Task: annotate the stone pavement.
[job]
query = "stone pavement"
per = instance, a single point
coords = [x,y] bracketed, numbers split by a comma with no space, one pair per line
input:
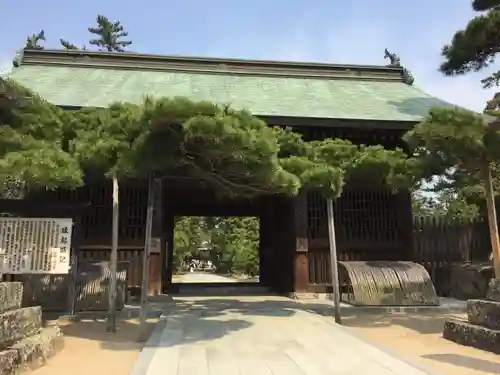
[258,336]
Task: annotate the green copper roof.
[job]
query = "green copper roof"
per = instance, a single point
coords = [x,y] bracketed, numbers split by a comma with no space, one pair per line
[80,79]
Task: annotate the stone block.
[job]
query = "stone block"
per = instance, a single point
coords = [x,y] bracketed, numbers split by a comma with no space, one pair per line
[17,324]
[11,295]
[32,352]
[494,290]
[468,334]
[469,280]
[484,313]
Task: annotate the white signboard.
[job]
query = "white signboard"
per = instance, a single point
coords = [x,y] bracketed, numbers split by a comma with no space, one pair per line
[35,246]
[155,247]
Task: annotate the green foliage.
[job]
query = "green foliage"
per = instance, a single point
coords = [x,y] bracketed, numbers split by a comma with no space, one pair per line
[68,45]
[108,35]
[493,106]
[475,47]
[446,204]
[33,41]
[228,150]
[329,164]
[189,235]
[31,141]
[483,5]
[234,242]
[101,138]
[455,145]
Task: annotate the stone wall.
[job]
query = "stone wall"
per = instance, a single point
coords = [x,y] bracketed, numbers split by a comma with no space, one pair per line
[482,328]
[470,280]
[24,343]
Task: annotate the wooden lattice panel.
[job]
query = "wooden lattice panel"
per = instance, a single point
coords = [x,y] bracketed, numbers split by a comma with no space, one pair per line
[35,246]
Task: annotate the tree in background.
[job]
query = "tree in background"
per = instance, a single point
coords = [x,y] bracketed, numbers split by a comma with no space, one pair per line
[108,35]
[472,148]
[236,245]
[33,41]
[69,45]
[190,233]
[445,204]
[461,148]
[475,47]
[233,243]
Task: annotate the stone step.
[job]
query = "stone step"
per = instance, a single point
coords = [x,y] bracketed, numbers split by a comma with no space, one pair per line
[494,290]
[11,295]
[17,324]
[31,352]
[468,334]
[484,313]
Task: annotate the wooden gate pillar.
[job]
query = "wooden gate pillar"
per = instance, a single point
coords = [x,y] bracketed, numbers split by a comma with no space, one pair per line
[405,214]
[155,266]
[301,244]
[265,241]
[167,246]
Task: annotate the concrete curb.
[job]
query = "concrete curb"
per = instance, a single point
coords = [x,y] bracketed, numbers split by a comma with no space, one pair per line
[129,312]
[446,306]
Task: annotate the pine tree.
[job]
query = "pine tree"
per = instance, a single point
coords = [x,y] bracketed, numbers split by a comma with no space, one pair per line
[33,41]
[31,141]
[67,45]
[462,147]
[471,142]
[475,47]
[109,35]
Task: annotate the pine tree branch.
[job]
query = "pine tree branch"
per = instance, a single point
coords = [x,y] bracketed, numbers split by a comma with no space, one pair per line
[68,45]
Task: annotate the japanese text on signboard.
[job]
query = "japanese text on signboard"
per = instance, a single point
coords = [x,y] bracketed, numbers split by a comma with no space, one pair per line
[35,246]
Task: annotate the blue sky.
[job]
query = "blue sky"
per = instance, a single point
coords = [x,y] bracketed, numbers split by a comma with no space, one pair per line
[353,32]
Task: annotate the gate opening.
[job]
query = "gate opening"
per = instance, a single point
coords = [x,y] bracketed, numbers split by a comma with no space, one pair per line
[216,250]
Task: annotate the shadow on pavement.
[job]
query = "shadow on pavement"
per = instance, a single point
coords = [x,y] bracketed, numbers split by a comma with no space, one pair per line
[466,361]
[194,319]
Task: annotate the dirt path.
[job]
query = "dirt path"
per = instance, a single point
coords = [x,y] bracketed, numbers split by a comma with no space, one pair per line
[419,339]
[90,350]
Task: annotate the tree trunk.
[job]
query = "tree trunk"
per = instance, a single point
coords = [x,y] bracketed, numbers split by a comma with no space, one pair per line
[492,220]
[113,261]
[333,261]
[143,334]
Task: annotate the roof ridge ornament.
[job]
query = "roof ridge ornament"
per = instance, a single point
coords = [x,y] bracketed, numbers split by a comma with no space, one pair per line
[18,58]
[395,62]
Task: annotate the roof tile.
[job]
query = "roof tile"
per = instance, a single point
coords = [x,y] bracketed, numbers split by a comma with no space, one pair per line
[341,98]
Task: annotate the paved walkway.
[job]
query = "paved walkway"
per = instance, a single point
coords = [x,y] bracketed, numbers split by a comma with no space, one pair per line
[258,336]
[204,277]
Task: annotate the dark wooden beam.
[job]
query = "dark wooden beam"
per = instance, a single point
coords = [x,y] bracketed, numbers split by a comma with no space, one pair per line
[356,124]
[32,207]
